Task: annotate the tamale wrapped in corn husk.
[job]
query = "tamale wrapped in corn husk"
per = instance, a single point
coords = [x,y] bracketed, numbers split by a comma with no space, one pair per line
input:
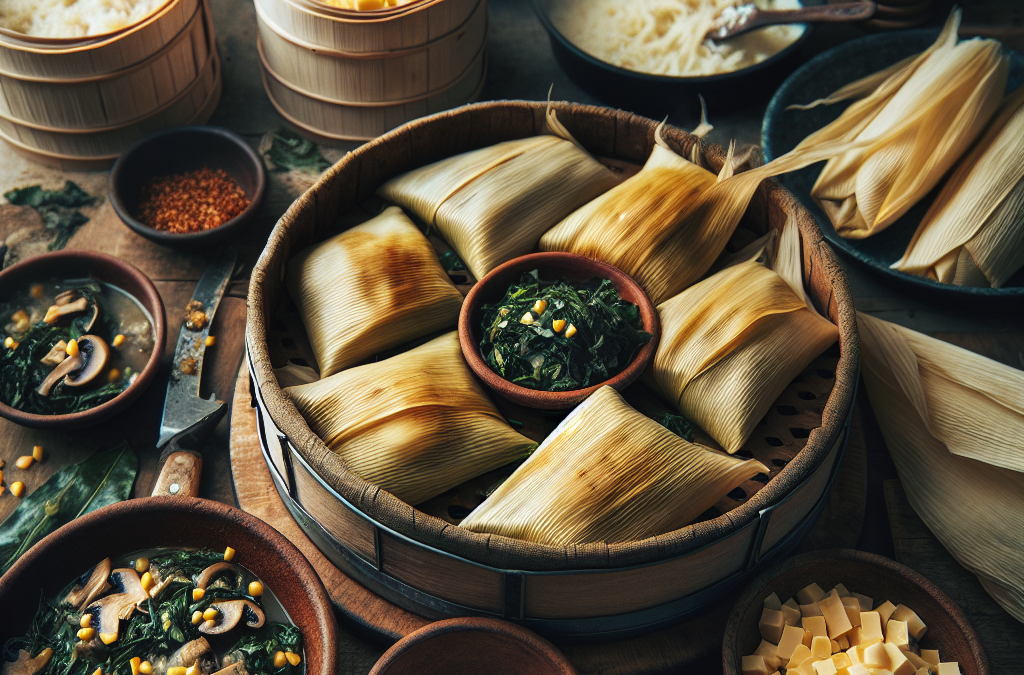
[608,473]
[730,345]
[954,424]
[370,288]
[493,204]
[914,121]
[973,234]
[416,424]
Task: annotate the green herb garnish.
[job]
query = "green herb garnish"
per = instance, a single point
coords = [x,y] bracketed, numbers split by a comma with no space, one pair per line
[600,335]
[285,150]
[59,209]
[451,262]
[678,425]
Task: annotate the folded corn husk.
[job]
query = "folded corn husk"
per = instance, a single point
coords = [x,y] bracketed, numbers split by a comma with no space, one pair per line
[730,345]
[973,234]
[416,424]
[609,474]
[493,204]
[918,119]
[372,287]
[954,424]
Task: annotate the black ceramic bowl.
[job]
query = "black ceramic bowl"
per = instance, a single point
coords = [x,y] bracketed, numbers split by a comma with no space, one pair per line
[187,149]
[634,90]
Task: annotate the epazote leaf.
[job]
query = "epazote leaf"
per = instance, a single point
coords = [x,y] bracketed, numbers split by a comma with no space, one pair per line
[285,150]
[58,208]
[101,480]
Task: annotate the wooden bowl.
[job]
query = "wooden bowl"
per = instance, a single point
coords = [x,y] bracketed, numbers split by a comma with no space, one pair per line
[179,150]
[473,646]
[551,267]
[872,575]
[153,522]
[79,264]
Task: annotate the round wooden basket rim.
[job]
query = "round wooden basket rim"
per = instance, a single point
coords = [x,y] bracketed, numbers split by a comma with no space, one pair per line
[521,554]
[322,10]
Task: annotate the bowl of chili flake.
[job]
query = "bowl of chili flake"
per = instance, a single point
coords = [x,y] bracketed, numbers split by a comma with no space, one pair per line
[188,185]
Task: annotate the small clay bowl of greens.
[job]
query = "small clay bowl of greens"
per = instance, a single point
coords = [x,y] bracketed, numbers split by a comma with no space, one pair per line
[81,335]
[546,330]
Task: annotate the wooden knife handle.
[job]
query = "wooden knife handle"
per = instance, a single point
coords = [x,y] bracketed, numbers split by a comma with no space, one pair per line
[180,475]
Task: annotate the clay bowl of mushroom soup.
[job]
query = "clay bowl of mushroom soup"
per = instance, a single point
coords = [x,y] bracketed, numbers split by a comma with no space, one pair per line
[81,335]
[156,562]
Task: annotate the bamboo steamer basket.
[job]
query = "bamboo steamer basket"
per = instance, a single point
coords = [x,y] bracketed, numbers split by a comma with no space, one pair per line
[353,77]
[586,592]
[349,31]
[51,58]
[347,121]
[6,33]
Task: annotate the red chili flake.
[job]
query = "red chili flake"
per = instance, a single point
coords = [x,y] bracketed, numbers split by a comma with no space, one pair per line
[191,202]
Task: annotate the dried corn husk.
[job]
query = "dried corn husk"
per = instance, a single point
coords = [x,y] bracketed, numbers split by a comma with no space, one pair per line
[609,474]
[954,424]
[730,345]
[973,234]
[918,119]
[416,424]
[372,287]
[493,204]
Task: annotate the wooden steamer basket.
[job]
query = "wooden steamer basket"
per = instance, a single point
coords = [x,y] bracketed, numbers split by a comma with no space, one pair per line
[438,570]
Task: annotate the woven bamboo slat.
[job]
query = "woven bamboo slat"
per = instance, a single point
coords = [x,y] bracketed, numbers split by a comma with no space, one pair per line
[93,57]
[363,121]
[386,76]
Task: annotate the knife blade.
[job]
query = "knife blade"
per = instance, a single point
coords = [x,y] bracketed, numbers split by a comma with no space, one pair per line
[189,419]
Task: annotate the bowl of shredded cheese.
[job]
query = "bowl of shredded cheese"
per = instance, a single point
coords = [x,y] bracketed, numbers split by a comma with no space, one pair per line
[643,52]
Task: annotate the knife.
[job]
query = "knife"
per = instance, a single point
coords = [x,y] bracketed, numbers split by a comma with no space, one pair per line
[188,419]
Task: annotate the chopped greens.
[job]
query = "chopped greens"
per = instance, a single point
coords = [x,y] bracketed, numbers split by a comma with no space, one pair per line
[59,209]
[556,336]
[451,262]
[678,425]
[285,150]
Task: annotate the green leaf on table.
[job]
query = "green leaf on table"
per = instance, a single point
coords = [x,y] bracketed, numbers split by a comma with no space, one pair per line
[678,425]
[103,479]
[285,150]
[58,208]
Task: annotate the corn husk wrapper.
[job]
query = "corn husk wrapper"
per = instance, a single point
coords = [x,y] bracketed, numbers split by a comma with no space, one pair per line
[730,345]
[370,288]
[973,234]
[920,116]
[608,474]
[493,204]
[954,425]
[416,424]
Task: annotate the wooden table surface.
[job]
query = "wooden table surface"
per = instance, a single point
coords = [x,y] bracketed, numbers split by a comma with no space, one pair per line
[520,66]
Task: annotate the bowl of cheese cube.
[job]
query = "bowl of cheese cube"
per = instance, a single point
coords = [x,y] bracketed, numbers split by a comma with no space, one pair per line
[845,612]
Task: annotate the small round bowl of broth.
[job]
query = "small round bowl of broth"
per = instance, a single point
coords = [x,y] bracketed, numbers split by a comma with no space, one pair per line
[891,589]
[182,544]
[550,344]
[210,172]
[600,46]
[110,310]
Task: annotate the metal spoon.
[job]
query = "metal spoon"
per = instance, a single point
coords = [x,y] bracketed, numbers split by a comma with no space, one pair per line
[745,18]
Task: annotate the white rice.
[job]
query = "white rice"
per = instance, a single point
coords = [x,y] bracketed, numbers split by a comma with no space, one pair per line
[73,18]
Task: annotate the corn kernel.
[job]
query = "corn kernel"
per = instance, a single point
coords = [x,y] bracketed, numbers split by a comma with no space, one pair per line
[197,594]
[540,306]
[135,663]
[98,671]
[557,325]
[211,614]
[197,618]
[141,565]
[177,670]
[1,475]
[37,453]
[570,331]
[118,340]
[9,342]
[293,658]
[2,489]
[279,659]
[527,318]
[24,462]
[146,668]
[210,340]
[167,624]
[85,621]
[86,634]
[209,624]
[147,581]
[36,291]
[255,589]
[72,348]
[17,488]
[229,554]
[113,375]
[193,669]
[107,638]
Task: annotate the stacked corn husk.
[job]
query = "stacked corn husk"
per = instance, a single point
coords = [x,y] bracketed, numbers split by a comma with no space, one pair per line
[973,234]
[415,424]
[954,424]
[609,474]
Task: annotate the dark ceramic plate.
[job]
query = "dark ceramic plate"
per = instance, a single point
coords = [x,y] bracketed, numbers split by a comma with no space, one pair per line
[783,129]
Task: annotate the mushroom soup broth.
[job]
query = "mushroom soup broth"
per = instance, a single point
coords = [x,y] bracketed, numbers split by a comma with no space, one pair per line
[184,612]
[70,345]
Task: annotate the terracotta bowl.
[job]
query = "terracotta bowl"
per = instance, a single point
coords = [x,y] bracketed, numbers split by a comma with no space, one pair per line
[80,264]
[473,646]
[872,575]
[552,266]
[177,151]
[153,522]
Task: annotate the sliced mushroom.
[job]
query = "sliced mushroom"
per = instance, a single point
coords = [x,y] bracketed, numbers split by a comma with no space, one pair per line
[191,653]
[55,312]
[116,606]
[84,593]
[56,355]
[26,665]
[65,297]
[231,612]
[59,373]
[207,575]
[96,353]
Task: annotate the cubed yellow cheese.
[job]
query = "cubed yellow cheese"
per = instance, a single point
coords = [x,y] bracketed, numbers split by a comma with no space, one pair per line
[841,590]
[810,610]
[835,616]
[870,628]
[772,602]
[896,633]
[816,624]
[916,660]
[792,636]
[809,595]
[807,667]
[923,671]
[808,636]
[930,656]
[825,667]
[820,647]
[754,665]
[844,641]
[800,654]
[791,615]
[769,652]
[857,669]
[898,663]
[852,607]
[835,646]
[885,610]
[948,668]
[916,627]
[880,671]
[771,625]
[875,656]
[865,601]
[856,654]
